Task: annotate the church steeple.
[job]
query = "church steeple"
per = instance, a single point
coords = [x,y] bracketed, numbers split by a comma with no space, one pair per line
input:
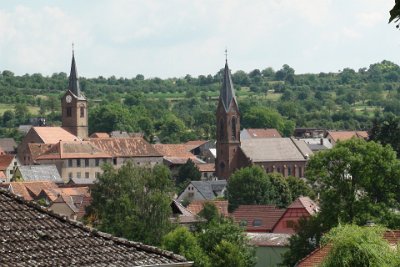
[228,128]
[227,93]
[73,84]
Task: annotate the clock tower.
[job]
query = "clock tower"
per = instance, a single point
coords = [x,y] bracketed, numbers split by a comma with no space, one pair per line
[74,106]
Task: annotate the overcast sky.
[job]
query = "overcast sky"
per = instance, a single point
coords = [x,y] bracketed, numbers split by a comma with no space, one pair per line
[172,38]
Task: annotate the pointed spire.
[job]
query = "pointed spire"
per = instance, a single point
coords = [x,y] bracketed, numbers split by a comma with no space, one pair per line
[227,94]
[73,85]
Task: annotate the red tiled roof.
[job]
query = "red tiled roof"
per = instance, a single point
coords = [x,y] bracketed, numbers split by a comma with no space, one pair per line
[99,135]
[304,202]
[125,147]
[52,135]
[37,149]
[268,215]
[30,190]
[5,161]
[264,133]
[194,144]
[196,206]
[176,153]
[174,150]
[206,167]
[346,135]
[70,150]
[316,257]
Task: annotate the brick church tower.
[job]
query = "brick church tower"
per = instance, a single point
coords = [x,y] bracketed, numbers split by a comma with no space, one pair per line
[74,106]
[228,129]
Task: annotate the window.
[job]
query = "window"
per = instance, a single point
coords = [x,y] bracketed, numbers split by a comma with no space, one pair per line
[278,169]
[82,109]
[289,169]
[70,175]
[222,165]
[11,171]
[78,175]
[257,222]
[87,175]
[300,171]
[86,162]
[97,175]
[69,111]
[115,161]
[78,162]
[15,163]
[233,126]
[70,163]
[97,162]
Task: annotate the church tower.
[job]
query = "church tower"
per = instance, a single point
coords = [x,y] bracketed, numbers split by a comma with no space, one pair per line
[228,128]
[74,106]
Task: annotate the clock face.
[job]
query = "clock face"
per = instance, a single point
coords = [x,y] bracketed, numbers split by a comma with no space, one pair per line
[68,99]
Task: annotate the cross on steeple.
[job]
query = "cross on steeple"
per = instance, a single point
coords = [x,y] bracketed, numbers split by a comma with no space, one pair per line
[226,54]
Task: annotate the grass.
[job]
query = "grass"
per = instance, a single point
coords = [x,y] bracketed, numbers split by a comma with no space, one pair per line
[5,107]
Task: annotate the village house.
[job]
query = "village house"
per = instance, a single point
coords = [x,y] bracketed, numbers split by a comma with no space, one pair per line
[271,219]
[8,145]
[8,165]
[203,190]
[336,136]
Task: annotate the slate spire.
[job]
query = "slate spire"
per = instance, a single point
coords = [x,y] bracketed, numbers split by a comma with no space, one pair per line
[73,84]
[227,93]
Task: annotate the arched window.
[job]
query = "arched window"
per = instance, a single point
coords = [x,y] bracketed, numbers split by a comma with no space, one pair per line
[222,165]
[233,126]
[82,111]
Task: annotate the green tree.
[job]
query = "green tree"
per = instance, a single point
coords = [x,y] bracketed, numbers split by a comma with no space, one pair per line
[252,185]
[133,202]
[228,254]
[226,230]
[209,212]
[184,243]
[358,247]
[299,187]
[187,172]
[357,181]
[386,130]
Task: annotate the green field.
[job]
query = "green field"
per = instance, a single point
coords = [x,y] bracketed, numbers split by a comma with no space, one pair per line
[4,107]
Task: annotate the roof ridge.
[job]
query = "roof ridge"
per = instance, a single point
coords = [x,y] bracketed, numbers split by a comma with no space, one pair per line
[90,230]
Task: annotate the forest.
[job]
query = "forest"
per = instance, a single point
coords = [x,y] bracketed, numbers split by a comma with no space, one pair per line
[175,110]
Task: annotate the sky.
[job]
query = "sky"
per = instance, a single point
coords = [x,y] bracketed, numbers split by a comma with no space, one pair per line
[160,38]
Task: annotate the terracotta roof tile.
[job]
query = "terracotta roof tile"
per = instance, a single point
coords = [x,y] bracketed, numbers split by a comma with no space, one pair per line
[259,218]
[174,150]
[206,167]
[49,239]
[52,135]
[5,161]
[346,135]
[125,147]
[37,149]
[30,190]
[176,153]
[304,202]
[196,206]
[99,135]
[76,149]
